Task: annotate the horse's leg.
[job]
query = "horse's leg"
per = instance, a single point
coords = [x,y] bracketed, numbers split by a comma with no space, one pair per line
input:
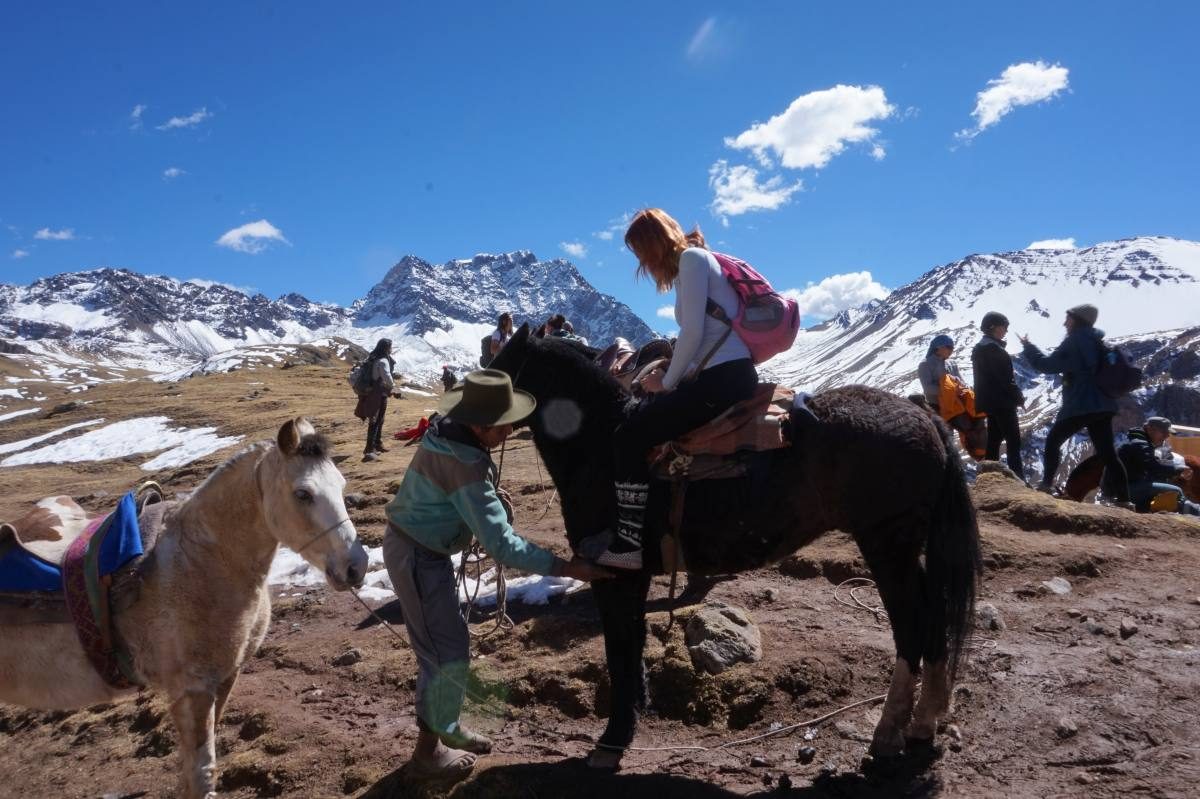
[893,560]
[194,715]
[223,696]
[622,605]
[933,704]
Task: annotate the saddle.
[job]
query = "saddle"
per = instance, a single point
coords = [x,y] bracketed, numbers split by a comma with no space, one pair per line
[625,363]
[60,567]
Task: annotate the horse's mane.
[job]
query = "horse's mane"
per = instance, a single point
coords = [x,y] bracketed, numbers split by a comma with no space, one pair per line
[234,460]
[575,363]
[313,445]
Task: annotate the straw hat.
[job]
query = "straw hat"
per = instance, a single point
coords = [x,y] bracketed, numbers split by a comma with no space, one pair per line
[486,397]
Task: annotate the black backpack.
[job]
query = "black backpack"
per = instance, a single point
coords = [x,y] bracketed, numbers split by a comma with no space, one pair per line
[1116,375]
[485,351]
[362,377]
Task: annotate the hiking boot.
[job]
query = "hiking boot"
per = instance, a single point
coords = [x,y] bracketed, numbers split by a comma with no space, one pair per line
[1124,504]
[625,549]
[380,448]
[370,456]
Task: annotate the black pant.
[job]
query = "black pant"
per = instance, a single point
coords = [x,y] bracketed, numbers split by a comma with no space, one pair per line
[375,427]
[663,417]
[622,604]
[1003,426]
[1099,428]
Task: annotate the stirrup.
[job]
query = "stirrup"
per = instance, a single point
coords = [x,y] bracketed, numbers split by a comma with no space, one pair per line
[631,561]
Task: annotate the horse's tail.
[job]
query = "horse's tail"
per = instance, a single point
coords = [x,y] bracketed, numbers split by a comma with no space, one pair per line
[953,564]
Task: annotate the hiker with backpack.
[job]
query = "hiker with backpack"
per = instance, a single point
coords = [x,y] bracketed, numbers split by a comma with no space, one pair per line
[1151,465]
[374,384]
[997,393]
[1078,358]
[491,343]
[712,366]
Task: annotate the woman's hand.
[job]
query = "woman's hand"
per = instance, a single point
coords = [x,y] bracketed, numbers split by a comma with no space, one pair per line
[1022,339]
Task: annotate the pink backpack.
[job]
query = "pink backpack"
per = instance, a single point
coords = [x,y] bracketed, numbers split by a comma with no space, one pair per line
[766,321]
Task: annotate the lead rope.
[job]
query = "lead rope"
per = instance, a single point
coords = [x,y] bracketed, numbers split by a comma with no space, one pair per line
[474,556]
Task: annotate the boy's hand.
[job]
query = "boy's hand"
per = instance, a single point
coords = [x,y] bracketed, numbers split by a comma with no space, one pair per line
[580,569]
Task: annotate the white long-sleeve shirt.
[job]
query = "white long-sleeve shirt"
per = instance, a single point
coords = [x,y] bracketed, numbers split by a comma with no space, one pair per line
[699,280]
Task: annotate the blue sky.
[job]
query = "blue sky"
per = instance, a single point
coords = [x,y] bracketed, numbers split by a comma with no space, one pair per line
[346,136]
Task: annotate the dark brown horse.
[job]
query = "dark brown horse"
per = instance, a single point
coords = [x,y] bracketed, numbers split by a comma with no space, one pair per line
[918,505]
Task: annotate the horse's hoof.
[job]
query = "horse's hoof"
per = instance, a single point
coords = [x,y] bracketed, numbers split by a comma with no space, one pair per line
[881,766]
[924,750]
[604,759]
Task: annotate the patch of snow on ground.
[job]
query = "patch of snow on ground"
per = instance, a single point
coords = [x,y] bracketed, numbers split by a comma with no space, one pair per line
[15,414]
[130,437]
[17,446]
[290,569]
[10,392]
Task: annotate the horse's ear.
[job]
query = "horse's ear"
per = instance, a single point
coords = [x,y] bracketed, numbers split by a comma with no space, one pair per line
[521,336]
[305,427]
[289,436]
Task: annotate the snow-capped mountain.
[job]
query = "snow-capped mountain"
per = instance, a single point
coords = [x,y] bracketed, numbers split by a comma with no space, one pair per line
[108,321]
[478,289]
[1147,290]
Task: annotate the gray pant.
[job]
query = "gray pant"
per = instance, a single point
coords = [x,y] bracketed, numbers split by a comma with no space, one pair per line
[424,583]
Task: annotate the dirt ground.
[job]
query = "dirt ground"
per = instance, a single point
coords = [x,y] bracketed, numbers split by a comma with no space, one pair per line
[1091,693]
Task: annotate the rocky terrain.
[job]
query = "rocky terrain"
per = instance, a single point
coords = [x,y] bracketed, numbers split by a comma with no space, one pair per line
[1083,678]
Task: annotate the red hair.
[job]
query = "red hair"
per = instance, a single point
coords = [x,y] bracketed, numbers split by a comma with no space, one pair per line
[657,240]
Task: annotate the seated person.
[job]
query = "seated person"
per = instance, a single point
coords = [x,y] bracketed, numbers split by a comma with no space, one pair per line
[1147,472]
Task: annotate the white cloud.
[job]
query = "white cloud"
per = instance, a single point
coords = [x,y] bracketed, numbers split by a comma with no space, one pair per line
[836,293]
[817,126]
[190,121]
[170,173]
[46,234]
[1019,84]
[615,226]
[135,117]
[574,249]
[736,190]
[666,312]
[1053,244]
[702,40]
[18,254]
[252,237]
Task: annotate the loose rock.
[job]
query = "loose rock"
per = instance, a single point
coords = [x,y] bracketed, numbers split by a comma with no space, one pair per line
[1094,627]
[1057,585]
[806,754]
[1066,728]
[1128,627]
[356,500]
[990,617]
[719,636]
[758,761]
[1074,613]
[349,657]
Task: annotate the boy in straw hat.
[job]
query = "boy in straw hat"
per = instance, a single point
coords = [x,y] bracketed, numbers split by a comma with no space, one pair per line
[448,495]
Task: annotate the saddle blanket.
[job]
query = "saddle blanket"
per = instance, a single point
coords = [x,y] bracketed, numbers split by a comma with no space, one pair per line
[23,570]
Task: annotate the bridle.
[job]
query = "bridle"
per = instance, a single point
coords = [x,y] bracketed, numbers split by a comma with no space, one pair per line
[315,538]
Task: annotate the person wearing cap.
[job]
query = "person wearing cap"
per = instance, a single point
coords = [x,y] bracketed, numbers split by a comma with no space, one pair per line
[449,495]
[937,363]
[997,393]
[1077,358]
[1148,473]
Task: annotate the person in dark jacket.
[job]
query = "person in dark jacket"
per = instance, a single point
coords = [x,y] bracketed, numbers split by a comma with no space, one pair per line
[1084,404]
[996,392]
[1147,473]
[448,378]
[372,406]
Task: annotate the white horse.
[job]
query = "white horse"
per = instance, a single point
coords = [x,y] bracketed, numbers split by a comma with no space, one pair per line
[204,605]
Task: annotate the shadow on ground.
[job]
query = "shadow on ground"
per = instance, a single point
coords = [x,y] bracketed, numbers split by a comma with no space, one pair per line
[572,778]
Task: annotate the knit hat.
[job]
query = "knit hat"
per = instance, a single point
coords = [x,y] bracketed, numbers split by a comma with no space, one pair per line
[1085,313]
[993,319]
[941,340]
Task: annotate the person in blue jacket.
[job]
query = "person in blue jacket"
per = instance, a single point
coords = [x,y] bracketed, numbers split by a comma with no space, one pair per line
[1084,405]
[449,495]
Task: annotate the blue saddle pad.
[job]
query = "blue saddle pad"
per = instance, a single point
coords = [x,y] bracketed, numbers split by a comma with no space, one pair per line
[22,571]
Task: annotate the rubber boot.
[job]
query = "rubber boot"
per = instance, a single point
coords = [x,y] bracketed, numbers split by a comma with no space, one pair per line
[625,550]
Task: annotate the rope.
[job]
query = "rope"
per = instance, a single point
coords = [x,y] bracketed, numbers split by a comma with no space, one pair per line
[859,583]
[475,555]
